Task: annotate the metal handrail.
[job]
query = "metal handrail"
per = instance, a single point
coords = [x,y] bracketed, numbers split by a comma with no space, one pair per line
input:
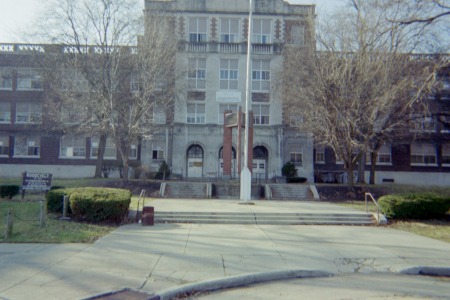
[141,196]
[366,195]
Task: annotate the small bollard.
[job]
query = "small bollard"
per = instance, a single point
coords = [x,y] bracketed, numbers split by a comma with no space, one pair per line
[9,224]
[43,215]
[148,215]
[65,208]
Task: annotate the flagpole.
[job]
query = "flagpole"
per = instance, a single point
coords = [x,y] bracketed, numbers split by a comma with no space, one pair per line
[246,176]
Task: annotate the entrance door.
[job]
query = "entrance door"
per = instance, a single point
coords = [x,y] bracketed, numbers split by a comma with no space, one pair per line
[260,157]
[195,161]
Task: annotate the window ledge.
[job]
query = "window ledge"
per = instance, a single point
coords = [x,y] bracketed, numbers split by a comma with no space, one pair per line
[27,156]
[71,157]
[424,165]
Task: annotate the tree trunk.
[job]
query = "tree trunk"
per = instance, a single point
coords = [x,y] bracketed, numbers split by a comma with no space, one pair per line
[362,169]
[373,158]
[100,156]
[350,176]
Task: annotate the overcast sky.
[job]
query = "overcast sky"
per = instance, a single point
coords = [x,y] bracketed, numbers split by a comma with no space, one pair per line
[16,15]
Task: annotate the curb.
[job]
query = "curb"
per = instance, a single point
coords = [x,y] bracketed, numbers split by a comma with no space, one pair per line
[426,271]
[237,281]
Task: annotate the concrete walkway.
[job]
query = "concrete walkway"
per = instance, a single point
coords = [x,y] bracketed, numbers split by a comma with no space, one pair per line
[158,259]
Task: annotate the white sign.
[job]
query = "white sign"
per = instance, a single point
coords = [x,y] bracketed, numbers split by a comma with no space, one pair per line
[228,97]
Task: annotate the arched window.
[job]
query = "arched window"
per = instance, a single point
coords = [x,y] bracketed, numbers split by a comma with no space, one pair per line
[195,151]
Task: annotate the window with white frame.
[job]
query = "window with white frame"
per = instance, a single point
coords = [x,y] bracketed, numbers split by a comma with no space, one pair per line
[423,154]
[4,145]
[260,75]
[261,31]
[135,83]
[320,155]
[223,108]
[197,73]
[5,79]
[5,112]
[296,154]
[425,124]
[110,148]
[261,114]
[73,114]
[157,153]
[27,146]
[384,156]
[195,113]
[133,152]
[296,35]
[73,147]
[28,79]
[159,114]
[198,29]
[445,159]
[229,30]
[229,74]
[28,113]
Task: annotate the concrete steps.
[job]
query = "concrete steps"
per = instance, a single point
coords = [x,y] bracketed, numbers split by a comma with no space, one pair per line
[290,191]
[189,190]
[360,219]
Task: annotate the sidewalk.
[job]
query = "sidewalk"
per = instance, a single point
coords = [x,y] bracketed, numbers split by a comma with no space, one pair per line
[165,256]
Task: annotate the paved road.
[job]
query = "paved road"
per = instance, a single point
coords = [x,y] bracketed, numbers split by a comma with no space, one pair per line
[166,256]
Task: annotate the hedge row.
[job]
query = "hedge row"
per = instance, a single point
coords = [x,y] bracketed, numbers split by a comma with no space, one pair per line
[414,206]
[9,191]
[92,204]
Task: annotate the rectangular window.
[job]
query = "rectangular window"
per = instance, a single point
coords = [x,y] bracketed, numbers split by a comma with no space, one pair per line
[320,155]
[110,149]
[423,154]
[261,114]
[261,32]
[384,156]
[223,108]
[73,114]
[424,124]
[260,75]
[229,74]
[229,30]
[73,147]
[73,80]
[5,112]
[157,154]
[26,146]
[5,79]
[195,113]
[133,152]
[296,154]
[198,30]
[28,79]
[4,145]
[197,74]
[159,114]
[296,35]
[446,155]
[28,113]
[445,123]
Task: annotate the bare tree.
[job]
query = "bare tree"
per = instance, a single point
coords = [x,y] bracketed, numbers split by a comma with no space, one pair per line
[418,11]
[361,87]
[102,77]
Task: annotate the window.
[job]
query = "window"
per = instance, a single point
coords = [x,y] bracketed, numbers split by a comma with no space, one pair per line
[25,146]
[223,108]
[261,32]
[197,74]
[229,30]
[158,154]
[74,81]
[110,148]
[261,114]
[4,145]
[28,79]
[445,155]
[159,114]
[73,114]
[73,147]
[296,154]
[423,154]
[424,124]
[445,123]
[133,152]
[5,79]
[320,155]
[260,75]
[195,113]
[228,74]
[384,156]
[296,35]
[198,30]
[5,112]
[28,113]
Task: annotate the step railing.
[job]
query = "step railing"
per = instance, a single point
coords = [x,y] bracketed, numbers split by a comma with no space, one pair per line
[369,195]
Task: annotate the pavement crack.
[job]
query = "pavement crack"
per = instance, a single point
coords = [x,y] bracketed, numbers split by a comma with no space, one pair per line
[151,272]
[187,240]
[223,266]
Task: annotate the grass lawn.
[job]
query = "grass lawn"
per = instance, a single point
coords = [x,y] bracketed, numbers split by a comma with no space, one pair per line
[26,226]
[436,229]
